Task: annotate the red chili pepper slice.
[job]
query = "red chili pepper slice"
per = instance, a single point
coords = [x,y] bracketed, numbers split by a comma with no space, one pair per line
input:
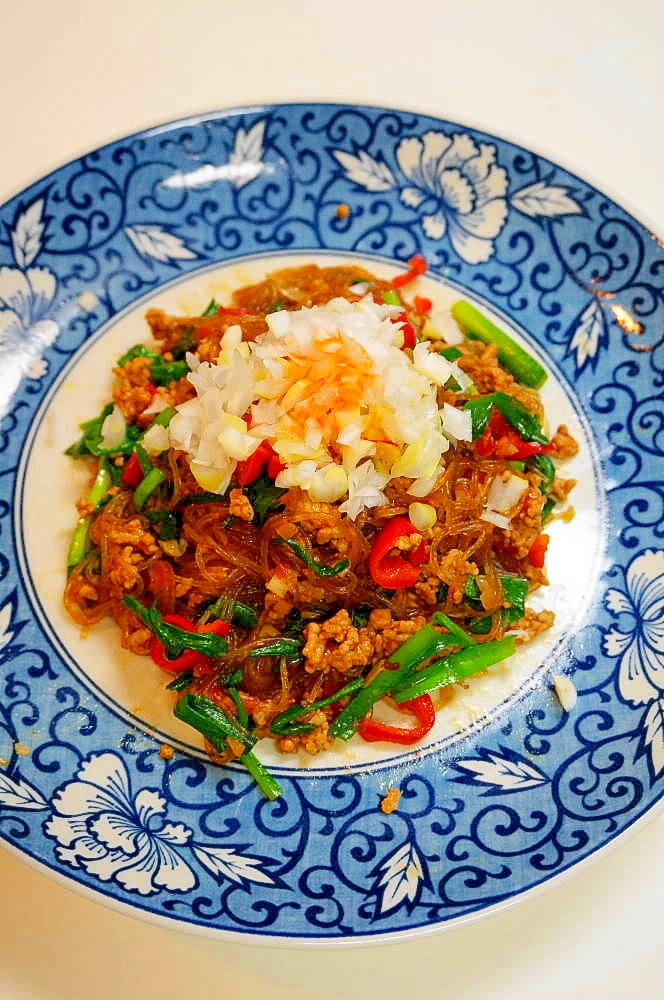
[423,710]
[249,469]
[537,552]
[422,305]
[395,571]
[409,338]
[189,658]
[417,265]
[132,474]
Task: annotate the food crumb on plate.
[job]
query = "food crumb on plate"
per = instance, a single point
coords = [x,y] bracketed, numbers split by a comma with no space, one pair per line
[390,800]
[342,210]
[21,750]
[166,752]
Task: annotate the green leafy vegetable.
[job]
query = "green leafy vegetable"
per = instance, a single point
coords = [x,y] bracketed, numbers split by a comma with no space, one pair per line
[525,423]
[231,610]
[167,523]
[217,726]
[161,371]
[281,646]
[286,723]
[175,639]
[264,497]
[319,568]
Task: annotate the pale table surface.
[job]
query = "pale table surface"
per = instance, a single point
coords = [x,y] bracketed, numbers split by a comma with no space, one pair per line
[581,81]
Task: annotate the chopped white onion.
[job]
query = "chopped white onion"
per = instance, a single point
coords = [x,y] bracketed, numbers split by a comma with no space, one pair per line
[113,430]
[505,492]
[565,691]
[422,515]
[457,424]
[156,440]
[493,517]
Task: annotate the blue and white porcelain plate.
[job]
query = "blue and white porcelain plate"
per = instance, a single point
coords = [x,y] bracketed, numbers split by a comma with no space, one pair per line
[512,791]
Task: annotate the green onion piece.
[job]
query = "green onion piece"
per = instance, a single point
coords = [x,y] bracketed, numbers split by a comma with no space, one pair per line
[450,353]
[175,639]
[547,471]
[242,714]
[549,504]
[284,724]
[137,351]
[143,458]
[319,568]
[290,648]
[211,309]
[517,360]
[181,682]
[164,372]
[462,638]
[216,726]
[200,498]
[392,298]
[78,545]
[161,372]
[424,643]
[455,667]
[163,418]
[268,785]
[146,487]
[230,610]
[210,720]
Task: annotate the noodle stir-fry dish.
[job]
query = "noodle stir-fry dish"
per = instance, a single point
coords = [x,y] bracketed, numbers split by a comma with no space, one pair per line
[318,508]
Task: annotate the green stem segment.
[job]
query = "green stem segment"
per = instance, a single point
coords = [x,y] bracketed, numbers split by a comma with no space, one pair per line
[78,545]
[286,723]
[147,486]
[455,667]
[217,726]
[517,360]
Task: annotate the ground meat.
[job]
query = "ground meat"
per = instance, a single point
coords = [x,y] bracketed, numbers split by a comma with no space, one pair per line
[240,506]
[480,362]
[134,390]
[454,569]
[427,590]
[563,444]
[336,644]
[395,634]
[562,488]
[124,546]
[532,623]
[380,618]
[390,801]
